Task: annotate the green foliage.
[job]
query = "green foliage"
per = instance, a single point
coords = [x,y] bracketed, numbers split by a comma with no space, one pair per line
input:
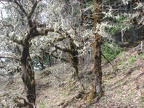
[111,51]
[121,63]
[142,98]
[119,92]
[46,60]
[90,2]
[118,22]
[112,30]
[132,60]
[140,56]
[42,105]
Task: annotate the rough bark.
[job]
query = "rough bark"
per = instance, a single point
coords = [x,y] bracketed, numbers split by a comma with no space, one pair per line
[74,57]
[97,86]
[97,66]
[28,73]
[28,76]
[97,48]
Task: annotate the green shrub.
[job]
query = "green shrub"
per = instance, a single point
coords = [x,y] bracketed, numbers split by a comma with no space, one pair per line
[111,51]
[140,56]
[118,25]
[132,60]
[113,30]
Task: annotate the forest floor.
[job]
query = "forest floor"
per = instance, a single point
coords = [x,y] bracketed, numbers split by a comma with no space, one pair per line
[123,86]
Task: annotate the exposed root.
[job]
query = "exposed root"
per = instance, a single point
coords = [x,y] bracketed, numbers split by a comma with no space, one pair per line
[21,102]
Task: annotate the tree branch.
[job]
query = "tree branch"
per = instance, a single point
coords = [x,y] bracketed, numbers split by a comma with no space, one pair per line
[2,66]
[10,57]
[21,7]
[17,41]
[63,49]
[44,31]
[32,10]
[56,56]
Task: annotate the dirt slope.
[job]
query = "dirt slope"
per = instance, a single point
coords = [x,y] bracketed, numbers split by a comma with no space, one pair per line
[123,87]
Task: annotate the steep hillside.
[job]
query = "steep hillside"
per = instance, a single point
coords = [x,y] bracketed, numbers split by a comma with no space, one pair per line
[123,86]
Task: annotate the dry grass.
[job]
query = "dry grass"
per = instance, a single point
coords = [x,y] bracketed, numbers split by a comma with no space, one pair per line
[123,88]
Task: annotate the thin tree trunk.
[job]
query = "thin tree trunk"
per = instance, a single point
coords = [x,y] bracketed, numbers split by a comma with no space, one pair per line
[97,86]
[97,48]
[97,67]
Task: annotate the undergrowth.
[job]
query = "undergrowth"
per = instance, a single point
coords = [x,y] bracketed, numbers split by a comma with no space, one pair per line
[111,51]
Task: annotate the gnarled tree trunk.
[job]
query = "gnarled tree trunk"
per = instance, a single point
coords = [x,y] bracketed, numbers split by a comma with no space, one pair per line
[28,73]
